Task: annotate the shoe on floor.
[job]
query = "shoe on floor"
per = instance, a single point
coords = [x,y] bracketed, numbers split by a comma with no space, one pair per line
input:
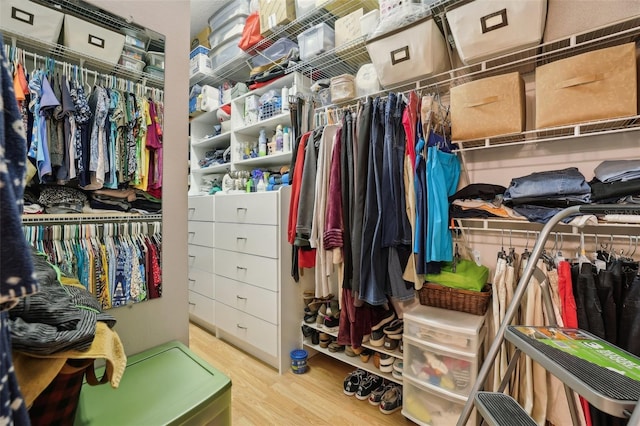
[370,383]
[376,395]
[391,400]
[353,380]
[389,316]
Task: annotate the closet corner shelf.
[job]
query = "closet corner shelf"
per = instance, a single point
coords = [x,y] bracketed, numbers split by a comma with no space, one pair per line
[266,161]
[215,169]
[221,140]
[88,218]
[58,51]
[580,130]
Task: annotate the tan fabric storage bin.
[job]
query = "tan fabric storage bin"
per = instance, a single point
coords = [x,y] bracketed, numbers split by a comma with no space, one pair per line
[415,51]
[568,17]
[31,19]
[488,107]
[274,13]
[596,85]
[92,40]
[484,29]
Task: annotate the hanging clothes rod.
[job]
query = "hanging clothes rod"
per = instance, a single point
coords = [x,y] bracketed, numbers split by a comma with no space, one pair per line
[79,219]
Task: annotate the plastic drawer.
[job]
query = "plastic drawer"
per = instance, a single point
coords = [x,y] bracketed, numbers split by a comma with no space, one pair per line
[439,368]
[426,407]
[457,330]
[133,53]
[231,28]
[155,59]
[131,63]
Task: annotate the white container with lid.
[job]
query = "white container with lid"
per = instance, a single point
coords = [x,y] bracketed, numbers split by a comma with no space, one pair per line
[229,11]
[229,29]
[367,81]
[458,330]
[316,40]
[343,88]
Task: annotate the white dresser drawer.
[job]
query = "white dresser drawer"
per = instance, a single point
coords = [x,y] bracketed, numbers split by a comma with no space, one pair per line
[201,233]
[200,257]
[248,298]
[202,208]
[260,208]
[202,282]
[261,240]
[256,270]
[250,329]
[202,307]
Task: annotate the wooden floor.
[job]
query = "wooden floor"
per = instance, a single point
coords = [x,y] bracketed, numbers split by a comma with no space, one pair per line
[260,396]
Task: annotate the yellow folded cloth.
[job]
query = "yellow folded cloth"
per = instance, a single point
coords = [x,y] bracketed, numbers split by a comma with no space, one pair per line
[36,372]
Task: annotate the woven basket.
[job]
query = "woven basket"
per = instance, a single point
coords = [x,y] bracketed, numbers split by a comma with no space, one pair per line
[439,296]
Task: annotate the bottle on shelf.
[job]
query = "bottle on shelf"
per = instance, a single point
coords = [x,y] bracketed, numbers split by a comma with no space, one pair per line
[279,138]
[286,140]
[261,186]
[284,99]
[262,143]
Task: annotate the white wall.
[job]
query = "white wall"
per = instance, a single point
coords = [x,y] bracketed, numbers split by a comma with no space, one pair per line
[158,321]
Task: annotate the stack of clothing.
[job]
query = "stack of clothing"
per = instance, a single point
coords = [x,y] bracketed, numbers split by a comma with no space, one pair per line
[480,200]
[146,203]
[62,199]
[616,181]
[276,180]
[216,157]
[539,196]
[112,199]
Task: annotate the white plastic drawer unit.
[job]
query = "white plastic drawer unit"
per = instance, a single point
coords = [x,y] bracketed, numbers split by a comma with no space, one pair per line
[31,19]
[259,208]
[201,257]
[256,270]
[261,240]
[92,40]
[201,233]
[458,330]
[259,333]
[202,282]
[439,368]
[202,208]
[245,297]
[202,307]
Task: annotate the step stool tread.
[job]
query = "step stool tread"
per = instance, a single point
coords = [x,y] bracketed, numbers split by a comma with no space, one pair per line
[499,409]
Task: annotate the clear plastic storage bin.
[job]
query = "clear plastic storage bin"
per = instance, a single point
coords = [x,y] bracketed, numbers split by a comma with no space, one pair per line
[225,52]
[133,52]
[131,64]
[440,368]
[155,59]
[304,6]
[316,40]
[229,29]
[228,12]
[274,52]
[454,329]
[426,407]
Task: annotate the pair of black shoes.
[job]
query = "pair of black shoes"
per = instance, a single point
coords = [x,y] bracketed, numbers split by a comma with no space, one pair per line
[312,333]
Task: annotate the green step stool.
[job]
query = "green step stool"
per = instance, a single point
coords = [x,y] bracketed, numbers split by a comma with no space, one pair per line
[165,385]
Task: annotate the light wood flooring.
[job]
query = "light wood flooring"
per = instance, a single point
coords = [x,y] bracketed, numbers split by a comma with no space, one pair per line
[260,396]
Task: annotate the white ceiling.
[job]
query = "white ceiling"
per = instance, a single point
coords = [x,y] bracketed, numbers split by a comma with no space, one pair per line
[201,10]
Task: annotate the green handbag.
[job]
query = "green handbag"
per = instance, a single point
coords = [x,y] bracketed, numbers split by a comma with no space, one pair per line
[467,276]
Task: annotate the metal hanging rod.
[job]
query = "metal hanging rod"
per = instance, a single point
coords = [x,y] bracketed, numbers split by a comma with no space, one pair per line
[80,219]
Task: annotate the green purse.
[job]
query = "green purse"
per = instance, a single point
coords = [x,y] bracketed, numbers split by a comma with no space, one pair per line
[466,275]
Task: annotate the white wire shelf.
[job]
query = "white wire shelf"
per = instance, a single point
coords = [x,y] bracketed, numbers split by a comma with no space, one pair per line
[591,128]
[272,160]
[80,218]
[43,49]
[215,169]
[216,141]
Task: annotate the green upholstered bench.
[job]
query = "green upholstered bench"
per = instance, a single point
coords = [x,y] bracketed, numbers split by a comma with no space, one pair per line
[165,385]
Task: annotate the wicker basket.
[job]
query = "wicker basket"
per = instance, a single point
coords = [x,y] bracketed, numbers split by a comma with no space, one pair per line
[439,296]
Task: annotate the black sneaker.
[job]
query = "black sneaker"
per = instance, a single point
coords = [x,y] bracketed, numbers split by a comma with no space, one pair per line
[353,380]
[331,323]
[391,400]
[377,338]
[389,316]
[395,327]
[367,386]
[376,395]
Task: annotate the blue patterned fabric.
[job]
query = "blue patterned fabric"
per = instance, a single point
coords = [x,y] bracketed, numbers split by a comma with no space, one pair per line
[16,268]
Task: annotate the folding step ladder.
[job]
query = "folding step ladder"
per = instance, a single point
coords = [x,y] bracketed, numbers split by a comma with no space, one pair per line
[562,352]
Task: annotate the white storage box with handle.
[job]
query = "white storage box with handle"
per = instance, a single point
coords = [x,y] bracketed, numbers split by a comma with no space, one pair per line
[31,19]
[415,51]
[92,40]
[484,29]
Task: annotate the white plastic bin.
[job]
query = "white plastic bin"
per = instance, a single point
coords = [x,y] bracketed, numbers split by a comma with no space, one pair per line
[155,59]
[228,12]
[92,40]
[409,53]
[316,40]
[484,29]
[31,19]
[426,407]
[131,64]
[225,52]
[133,52]
[229,29]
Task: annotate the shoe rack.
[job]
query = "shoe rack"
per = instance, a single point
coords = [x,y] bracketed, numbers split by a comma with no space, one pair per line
[355,360]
